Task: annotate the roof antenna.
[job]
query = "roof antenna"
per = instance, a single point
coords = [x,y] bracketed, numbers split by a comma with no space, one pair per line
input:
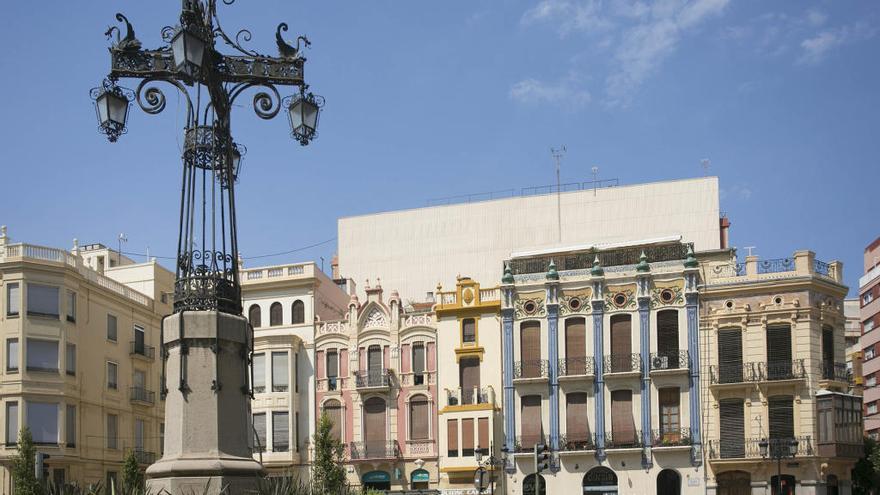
[558,153]
[705,163]
[119,240]
[750,249]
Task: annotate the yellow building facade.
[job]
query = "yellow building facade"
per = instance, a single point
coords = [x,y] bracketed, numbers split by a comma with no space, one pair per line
[81,361]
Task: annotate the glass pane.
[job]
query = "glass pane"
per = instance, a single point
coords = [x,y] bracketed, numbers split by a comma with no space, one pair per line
[259,370]
[12,354]
[178,49]
[11,422]
[42,300]
[42,355]
[280,377]
[70,426]
[101,103]
[111,328]
[42,419]
[71,359]
[280,431]
[13,299]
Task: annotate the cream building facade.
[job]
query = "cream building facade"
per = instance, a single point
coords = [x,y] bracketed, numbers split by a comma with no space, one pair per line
[469,354]
[773,349]
[80,362]
[600,364]
[284,303]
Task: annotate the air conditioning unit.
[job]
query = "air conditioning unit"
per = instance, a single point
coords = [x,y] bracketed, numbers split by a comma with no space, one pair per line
[661,362]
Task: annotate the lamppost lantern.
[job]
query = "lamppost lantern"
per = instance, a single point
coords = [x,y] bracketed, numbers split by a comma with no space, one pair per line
[304,110]
[763,446]
[238,152]
[111,106]
[793,448]
[188,50]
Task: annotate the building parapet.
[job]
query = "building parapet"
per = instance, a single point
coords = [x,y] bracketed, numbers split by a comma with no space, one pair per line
[278,272]
[754,269]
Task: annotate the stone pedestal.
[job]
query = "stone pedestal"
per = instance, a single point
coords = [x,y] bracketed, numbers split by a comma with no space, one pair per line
[207,409]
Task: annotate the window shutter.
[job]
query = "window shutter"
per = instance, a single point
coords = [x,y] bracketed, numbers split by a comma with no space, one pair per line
[467,437]
[333,410]
[70,364]
[730,363]
[576,417]
[374,429]
[259,370]
[623,428]
[621,343]
[70,425]
[418,358]
[374,360]
[781,412]
[828,348]
[419,411]
[483,434]
[531,426]
[732,428]
[254,316]
[280,431]
[275,314]
[779,353]
[530,348]
[260,431]
[575,346]
[452,437]
[667,336]
[469,369]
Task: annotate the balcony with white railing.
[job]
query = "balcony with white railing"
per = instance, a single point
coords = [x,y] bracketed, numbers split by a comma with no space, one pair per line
[755,269]
[872,274]
[470,396]
[275,273]
[62,258]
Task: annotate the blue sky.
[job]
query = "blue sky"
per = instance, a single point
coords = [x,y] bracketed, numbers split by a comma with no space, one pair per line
[434,99]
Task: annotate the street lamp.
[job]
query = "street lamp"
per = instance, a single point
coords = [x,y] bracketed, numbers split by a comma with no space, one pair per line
[778,449]
[188,49]
[303,111]
[111,105]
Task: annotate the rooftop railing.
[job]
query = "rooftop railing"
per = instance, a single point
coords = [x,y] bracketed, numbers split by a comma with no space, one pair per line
[802,263]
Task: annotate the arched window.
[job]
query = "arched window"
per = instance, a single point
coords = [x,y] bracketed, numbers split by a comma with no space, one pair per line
[530,482]
[298,312]
[254,316]
[419,418]
[668,482]
[333,410]
[275,317]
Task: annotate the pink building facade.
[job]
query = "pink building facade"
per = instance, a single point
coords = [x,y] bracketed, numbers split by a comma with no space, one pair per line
[376,379]
[869,302]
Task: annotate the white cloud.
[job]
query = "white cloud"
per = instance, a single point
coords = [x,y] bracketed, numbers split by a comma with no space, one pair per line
[570,15]
[816,48]
[736,192]
[561,93]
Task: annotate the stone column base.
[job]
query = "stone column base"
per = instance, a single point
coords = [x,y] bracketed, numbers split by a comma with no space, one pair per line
[204,476]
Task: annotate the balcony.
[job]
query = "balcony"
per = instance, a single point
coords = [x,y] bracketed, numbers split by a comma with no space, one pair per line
[734,374]
[418,379]
[750,449]
[577,367]
[364,451]
[373,379]
[801,264]
[670,361]
[623,440]
[331,384]
[578,442]
[143,457]
[536,369]
[138,349]
[470,396]
[526,444]
[622,363]
[675,437]
[142,396]
[836,372]
[783,370]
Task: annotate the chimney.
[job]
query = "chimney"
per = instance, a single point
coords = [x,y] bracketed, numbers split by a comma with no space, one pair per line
[724,223]
[334,267]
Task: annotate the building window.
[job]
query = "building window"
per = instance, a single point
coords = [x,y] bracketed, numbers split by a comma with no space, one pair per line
[419,418]
[623,427]
[296,429]
[12,355]
[70,360]
[467,437]
[42,300]
[296,372]
[139,428]
[13,299]
[575,346]
[70,426]
[280,431]
[532,428]
[468,331]
[161,438]
[872,408]
[732,426]
[275,314]
[867,297]
[483,436]
[259,366]
[530,349]
[298,312]
[112,372]
[667,341]
[621,343]
[112,431]
[670,416]
[469,380]
[577,431]
[254,316]
[111,328]
[418,363]
[280,373]
[42,419]
[42,355]
[869,353]
[260,432]
[71,306]
[11,423]
[139,344]
[871,380]
[452,438]
[332,369]
[868,324]
[781,413]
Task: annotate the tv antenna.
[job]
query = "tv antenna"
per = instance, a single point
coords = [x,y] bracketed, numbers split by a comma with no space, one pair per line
[705,163]
[750,249]
[119,240]
[558,153]
[595,179]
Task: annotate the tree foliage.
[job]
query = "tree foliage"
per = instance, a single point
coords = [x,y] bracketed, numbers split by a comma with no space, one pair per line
[132,478]
[866,472]
[328,475]
[25,480]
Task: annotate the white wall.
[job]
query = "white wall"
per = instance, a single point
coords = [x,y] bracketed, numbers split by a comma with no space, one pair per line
[412,250]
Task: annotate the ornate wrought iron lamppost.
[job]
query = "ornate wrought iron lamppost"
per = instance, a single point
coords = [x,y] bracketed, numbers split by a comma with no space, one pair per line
[206,343]
[778,448]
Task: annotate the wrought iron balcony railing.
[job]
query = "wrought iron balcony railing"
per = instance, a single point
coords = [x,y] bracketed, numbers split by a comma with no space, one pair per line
[777,265]
[536,368]
[577,366]
[623,363]
[670,360]
[623,440]
[750,448]
[373,378]
[835,371]
[526,443]
[783,370]
[144,457]
[576,442]
[674,437]
[734,373]
[141,394]
[386,449]
[140,349]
